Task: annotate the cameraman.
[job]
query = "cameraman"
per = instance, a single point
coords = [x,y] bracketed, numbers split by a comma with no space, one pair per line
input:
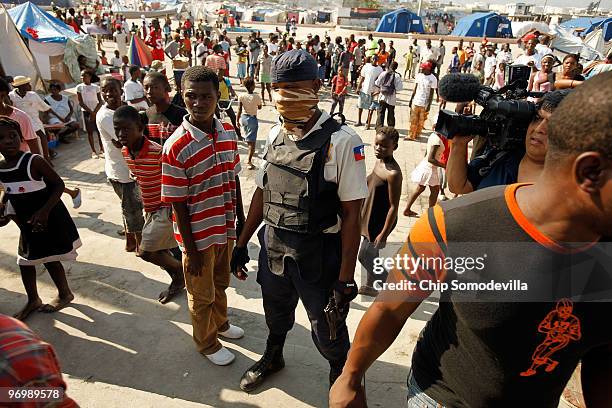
[500,167]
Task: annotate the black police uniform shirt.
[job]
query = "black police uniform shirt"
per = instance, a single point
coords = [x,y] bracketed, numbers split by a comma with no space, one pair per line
[484,349]
[345,163]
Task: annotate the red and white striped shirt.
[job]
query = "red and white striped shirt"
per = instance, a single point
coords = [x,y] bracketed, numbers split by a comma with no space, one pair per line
[146,168]
[201,169]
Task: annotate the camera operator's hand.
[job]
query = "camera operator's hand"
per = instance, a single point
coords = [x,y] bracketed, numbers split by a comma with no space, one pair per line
[460,140]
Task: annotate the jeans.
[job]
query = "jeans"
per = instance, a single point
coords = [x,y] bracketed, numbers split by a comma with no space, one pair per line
[252,70]
[417,398]
[382,108]
[322,73]
[366,256]
[338,100]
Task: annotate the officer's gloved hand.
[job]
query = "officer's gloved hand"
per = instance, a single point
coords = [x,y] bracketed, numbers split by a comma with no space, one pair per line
[239,227]
[344,292]
[240,257]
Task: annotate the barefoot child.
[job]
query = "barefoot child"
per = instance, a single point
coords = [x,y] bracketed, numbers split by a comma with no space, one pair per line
[339,91]
[379,210]
[250,102]
[91,102]
[264,70]
[427,172]
[31,197]
[143,158]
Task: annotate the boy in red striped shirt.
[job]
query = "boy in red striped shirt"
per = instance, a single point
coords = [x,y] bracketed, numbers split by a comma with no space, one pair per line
[143,158]
[200,166]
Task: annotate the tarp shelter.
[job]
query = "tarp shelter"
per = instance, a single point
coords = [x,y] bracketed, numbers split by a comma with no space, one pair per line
[583,25]
[54,45]
[324,16]
[490,25]
[400,21]
[606,28]
[19,61]
[44,3]
[520,28]
[564,41]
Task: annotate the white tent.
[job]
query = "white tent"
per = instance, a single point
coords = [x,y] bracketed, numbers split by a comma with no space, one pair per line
[596,40]
[275,17]
[567,43]
[16,59]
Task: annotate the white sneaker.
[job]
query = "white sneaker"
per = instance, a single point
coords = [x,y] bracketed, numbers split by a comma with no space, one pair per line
[222,357]
[234,332]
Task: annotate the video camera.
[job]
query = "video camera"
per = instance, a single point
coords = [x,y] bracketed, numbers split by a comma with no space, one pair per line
[506,115]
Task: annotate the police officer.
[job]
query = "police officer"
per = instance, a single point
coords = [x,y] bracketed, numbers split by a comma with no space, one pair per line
[308,195]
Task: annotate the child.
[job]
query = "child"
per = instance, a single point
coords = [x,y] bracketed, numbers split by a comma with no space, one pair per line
[163,117]
[477,72]
[379,210]
[339,91]
[225,100]
[264,70]
[125,68]
[205,205]
[454,67]
[103,59]
[409,60]
[116,61]
[91,102]
[427,173]
[251,103]
[143,158]
[133,90]
[422,96]
[500,76]
[31,197]
[242,64]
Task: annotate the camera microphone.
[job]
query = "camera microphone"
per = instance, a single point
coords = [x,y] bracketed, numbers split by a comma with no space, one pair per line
[459,87]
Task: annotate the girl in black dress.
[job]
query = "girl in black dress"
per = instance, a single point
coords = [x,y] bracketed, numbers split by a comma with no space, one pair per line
[31,198]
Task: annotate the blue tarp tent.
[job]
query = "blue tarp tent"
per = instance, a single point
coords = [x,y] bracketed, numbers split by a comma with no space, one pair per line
[36,24]
[400,21]
[606,27]
[46,3]
[584,24]
[490,25]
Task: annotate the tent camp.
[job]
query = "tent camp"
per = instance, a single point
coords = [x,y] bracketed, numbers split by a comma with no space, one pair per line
[490,25]
[564,41]
[44,3]
[20,60]
[582,25]
[54,45]
[400,21]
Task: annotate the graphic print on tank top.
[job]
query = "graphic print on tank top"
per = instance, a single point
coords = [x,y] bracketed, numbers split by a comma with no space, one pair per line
[560,327]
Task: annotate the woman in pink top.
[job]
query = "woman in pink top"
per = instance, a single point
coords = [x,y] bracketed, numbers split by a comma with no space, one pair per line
[541,81]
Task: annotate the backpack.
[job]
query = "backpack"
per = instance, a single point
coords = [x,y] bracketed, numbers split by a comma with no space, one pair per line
[387,84]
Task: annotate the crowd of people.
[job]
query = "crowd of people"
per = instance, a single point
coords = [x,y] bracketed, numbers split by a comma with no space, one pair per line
[173,162]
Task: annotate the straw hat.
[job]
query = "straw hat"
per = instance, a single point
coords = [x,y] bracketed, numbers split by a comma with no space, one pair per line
[21,80]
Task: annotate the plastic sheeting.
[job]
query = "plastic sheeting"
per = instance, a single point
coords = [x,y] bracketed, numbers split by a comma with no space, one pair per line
[36,24]
[20,61]
[85,46]
[520,28]
[565,42]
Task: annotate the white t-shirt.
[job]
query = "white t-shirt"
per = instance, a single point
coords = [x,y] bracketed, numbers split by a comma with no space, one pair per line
[272,48]
[134,90]
[121,40]
[504,56]
[370,74]
[489,66]
[345,164]
[89,94]
[390,99]
[434,140]
[32,105]
[424,84]
[116,62]
[115,166]
[525,59]
[543,49]
[202,50]
[428,54]
[61,107]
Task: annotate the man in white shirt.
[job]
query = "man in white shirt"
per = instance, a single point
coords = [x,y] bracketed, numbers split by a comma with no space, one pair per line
[489,67]
[543,47]
[28,101]
[273,46]
[505,55]
[115,167]
[479,58]
[422,96]
[531,58]
[133,91]
[367,78]
[389,83]
[428,53]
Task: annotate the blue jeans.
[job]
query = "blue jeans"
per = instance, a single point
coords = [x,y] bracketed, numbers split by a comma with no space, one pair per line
[322,73]
[417,398]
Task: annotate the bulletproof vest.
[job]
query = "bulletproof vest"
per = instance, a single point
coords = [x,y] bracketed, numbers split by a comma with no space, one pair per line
[298,203]
[296,196]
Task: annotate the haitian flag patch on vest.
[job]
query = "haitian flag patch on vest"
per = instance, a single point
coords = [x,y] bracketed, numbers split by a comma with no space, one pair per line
[359,153]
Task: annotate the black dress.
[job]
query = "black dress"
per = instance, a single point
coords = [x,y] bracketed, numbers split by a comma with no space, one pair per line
[59,241]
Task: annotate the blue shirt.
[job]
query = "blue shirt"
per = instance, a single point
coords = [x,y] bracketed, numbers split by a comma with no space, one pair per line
[494,168]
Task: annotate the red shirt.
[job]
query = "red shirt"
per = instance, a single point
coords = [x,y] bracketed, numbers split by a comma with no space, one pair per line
[147,170]
[340,84]
[156,41]
[28,361]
